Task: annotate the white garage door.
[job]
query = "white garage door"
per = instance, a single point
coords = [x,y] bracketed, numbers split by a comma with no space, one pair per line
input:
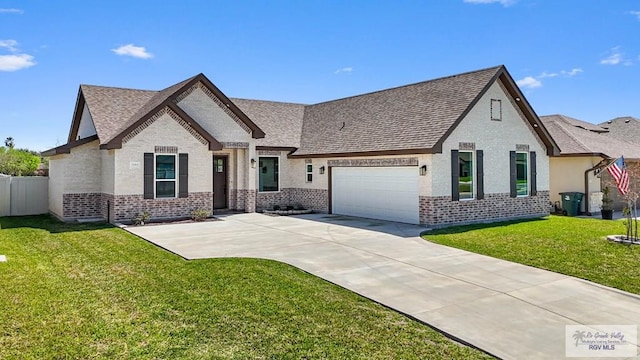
[386,193]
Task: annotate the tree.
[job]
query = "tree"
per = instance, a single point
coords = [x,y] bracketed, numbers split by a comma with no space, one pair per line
[8,142]
[18,162]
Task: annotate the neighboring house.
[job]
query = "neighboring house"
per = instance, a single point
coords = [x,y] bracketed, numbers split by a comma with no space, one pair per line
[458,149]
[585,150]
[625,128]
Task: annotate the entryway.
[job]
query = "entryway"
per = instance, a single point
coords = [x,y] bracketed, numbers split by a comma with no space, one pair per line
[220,182]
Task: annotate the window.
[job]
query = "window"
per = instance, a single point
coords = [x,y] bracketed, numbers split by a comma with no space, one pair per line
[465,174]
[496,109]
[522,180]
[165,179]
[309,173]
[268,177]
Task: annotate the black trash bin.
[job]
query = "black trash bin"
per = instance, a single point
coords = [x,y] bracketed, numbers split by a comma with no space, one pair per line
[571,202]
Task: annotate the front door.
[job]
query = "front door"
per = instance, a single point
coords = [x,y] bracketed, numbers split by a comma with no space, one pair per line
[219,182]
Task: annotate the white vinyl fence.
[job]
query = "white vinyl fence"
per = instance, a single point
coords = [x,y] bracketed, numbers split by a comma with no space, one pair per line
[24,195]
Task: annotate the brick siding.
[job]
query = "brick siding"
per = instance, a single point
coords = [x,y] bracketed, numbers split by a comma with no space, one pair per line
[619,202]
[82,205]
[127,207]
[438,211]
[313,199]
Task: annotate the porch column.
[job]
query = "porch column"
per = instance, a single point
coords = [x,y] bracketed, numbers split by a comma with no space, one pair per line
[250,202]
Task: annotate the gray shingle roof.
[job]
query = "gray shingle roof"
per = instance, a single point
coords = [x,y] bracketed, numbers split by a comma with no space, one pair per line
[625,128]
[158,98]
[415,117]
[281,121]
[404,118]
[111,107]
[573,138]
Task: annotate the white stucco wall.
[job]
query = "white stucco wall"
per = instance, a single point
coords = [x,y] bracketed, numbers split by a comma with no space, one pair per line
[496,139]
[74,173]
[567,175]
[165,131]
[82,169]
[108,171]
[212,118]
[86,127]
[56,183]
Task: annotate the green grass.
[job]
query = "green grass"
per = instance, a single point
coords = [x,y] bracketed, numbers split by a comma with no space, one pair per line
[94,291]
[571,246]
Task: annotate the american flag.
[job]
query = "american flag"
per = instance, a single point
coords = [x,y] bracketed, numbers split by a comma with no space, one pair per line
[618,170]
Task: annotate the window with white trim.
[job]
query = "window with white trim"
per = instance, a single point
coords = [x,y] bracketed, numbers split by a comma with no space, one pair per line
[268,174]
[465,174]
[522,174]
[165,176]
[309,177]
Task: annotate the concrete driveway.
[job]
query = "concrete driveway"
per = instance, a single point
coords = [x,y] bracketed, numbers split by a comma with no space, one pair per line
[509,310]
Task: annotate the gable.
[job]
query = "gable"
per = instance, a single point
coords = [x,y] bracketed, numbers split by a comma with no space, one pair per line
[482,126]
[171,112]
[214,116]
[86,127]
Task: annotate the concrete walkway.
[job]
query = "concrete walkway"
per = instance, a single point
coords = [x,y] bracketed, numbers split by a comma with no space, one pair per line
[509,310]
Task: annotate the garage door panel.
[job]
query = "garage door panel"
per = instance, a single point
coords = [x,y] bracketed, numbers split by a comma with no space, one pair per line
[387,193]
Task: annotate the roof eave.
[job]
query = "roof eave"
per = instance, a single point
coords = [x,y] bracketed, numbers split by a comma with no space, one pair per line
[256,132]
[531,116]
[66,148]
[77,116]
[116,142]
[366,153]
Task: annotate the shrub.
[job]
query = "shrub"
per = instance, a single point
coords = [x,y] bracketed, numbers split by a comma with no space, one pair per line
[200,214]
[276,207]
[142,218]
[18,162]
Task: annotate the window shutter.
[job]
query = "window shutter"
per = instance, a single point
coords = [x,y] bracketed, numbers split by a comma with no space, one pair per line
[479,175]
[148,176]
[513,174]
[455,175]
[183,176]
[532,166]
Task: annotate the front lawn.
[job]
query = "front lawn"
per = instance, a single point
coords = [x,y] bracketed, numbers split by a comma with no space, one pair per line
[566,245]
[94,291]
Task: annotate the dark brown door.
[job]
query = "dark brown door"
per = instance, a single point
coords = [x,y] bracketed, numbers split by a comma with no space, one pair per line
[219,182]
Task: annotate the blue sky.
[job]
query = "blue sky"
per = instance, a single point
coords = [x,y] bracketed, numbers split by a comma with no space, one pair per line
[575,57]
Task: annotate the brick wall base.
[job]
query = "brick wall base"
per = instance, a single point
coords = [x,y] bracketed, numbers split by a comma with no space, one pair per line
[313,199]
[83,205]
[439,211]
[126,207]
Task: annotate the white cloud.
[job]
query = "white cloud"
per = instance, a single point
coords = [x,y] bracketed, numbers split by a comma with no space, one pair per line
[10,45]
[134,51]
[11,11]
[529,82]
[16,62]
[532,82]
[347,70]
[504,3]
[572,72]
[547,75]
[616,57]
[635,13]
